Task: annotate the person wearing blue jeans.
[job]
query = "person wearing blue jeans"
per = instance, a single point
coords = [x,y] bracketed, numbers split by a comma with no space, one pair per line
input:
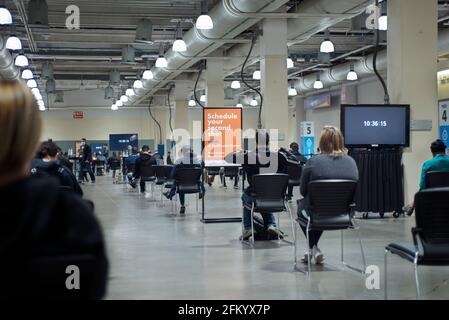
[85,162]
[259,160]
[268,218]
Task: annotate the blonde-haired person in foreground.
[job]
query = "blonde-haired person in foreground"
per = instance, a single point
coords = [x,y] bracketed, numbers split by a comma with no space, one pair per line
[331,163]
[40,223]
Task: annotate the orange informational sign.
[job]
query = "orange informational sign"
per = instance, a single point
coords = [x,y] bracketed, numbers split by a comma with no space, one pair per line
[222,129]
[77,148]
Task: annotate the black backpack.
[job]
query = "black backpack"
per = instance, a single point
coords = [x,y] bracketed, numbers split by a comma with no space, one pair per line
[261,233]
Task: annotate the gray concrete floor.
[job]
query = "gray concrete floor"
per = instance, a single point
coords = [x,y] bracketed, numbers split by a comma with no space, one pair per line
[156,254]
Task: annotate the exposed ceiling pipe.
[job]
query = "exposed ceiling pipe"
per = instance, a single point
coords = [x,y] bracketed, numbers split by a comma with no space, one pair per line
[228,26]
[363,67]
[338,73]
[300,30]
[7,68]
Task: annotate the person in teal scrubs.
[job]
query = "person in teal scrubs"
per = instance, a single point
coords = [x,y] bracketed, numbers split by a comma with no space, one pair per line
[439,162]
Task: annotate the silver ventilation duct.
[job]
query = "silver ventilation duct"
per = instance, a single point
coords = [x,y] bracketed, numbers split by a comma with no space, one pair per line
[300,30]
[7,68]
[108,93]
[50,87]
[59,97]
[201,43]
[128,54]
[47,71]
[338,73]
[144,31]
[114,77]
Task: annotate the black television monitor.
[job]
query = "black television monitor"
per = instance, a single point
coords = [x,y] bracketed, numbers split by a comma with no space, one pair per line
[372,125]
[120,142]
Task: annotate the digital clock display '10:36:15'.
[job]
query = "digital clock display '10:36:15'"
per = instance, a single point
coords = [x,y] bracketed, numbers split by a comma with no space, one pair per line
[375,123]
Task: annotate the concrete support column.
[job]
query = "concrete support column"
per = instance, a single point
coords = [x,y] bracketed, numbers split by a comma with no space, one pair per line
[412,76]
[214,83]
[180,100]
[273,66]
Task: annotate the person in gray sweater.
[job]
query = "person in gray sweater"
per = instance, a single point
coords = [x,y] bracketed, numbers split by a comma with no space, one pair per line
[331,163]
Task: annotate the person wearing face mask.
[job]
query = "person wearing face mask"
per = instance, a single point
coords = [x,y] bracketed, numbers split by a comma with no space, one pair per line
[85,162]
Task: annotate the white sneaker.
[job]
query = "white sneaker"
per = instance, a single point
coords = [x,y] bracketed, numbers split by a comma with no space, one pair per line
[318,256]
[246,235]
[305,258]
[147,195]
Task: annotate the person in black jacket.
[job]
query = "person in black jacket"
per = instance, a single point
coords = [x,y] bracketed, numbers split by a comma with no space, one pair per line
[43,229]
[257,161]
[46,164]
[143,165]
[85,162]
[64,160]
[294,151]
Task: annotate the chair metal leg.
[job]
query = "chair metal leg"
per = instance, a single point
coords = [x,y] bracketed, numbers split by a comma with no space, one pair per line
[252,224]
[292,223]
[295,247]
[197,199]
[279,228]
[152,191]
[415,264]
[360,270]
[361,249]
[385,275]
[309,258]
[288,210]
[342,247]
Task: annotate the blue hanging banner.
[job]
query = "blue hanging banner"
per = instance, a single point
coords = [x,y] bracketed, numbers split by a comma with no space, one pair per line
[443,122]
[308,146]
[307,139]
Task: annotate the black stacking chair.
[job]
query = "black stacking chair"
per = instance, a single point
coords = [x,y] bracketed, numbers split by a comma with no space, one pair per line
[437,179]
[188,181]
[331,208]
[46,278]
[230,172]
[213,171]
[99,168]
[269,197]
[294,174]
[161,177]
[148,174]
[430,245]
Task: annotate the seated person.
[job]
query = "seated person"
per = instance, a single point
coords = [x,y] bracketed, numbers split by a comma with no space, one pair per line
[169,160]
[130,162]
[223,179]
[259,160]
[294,151]
[113,163]
[38,219]
[188,159]
[143,165]
[439,162]
[331,163]
[101,157]
[46,164]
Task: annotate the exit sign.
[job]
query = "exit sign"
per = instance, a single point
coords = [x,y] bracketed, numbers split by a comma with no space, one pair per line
[78,115]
